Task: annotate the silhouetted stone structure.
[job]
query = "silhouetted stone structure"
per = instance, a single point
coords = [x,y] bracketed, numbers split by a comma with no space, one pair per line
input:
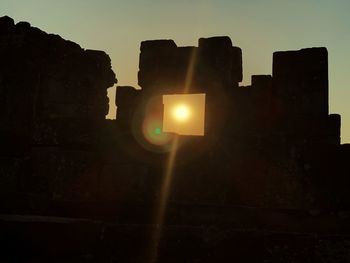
[268,182]
[53,94]
[262,132]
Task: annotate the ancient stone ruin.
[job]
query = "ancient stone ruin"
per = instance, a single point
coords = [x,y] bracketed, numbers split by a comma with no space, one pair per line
[267,183]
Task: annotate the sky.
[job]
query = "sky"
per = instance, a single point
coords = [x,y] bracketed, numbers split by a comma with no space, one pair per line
[258,27]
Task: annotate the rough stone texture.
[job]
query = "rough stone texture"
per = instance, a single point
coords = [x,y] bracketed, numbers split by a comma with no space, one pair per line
[301,84]
[47,77]
[53,96]
[164,66]
[79,240]
[127,100]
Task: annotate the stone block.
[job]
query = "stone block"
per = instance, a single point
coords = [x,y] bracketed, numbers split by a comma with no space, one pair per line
[127,182]
[332,249]
[300,80]
[40,238]
[64,174]
[154,55]
[262,82]
[156,45]
[11,172]
[217,57]
[6,24]
[59,78]
[333,128]
[128,101]
[163,66]
[237,64]
[221,42]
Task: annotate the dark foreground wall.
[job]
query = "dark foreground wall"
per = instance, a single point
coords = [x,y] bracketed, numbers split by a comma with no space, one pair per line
[53,95]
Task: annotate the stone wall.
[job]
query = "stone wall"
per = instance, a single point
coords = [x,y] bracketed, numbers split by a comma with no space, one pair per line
[53,101]
[257,137]
[257,149]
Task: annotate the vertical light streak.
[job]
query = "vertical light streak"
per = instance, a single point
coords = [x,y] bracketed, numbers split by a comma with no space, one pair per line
[166,184]
[163,199]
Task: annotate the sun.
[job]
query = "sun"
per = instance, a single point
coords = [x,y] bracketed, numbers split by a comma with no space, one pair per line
[181,112]
[184,114]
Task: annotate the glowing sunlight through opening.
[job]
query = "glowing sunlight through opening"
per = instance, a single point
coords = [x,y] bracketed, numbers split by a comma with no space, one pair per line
[181,113]
[184,114]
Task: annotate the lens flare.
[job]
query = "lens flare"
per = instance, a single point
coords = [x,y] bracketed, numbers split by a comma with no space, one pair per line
[147,126]
[153,137]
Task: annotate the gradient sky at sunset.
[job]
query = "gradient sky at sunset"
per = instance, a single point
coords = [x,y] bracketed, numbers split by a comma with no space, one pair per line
[258,27]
